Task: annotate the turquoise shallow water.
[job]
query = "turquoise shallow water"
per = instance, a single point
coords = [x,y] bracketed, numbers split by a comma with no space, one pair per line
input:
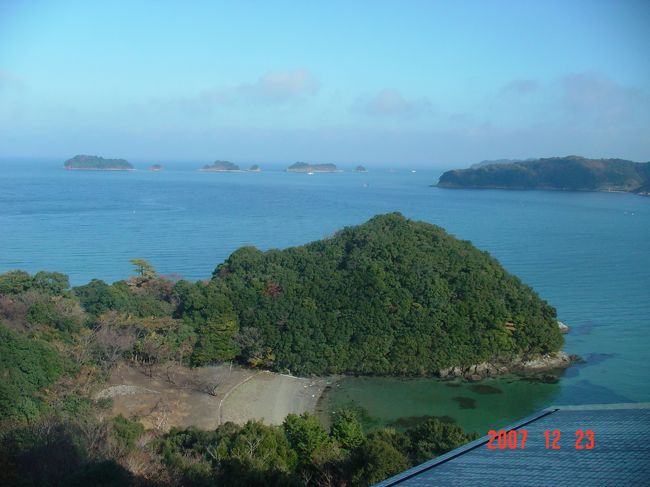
[586,253]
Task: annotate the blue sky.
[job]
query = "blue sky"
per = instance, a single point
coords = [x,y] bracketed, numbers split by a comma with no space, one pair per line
[425,83]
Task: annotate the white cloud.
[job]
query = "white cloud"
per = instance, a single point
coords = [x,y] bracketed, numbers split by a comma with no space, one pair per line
[600,98]
[390,103]
[280,87]
[275,87]
[520,87]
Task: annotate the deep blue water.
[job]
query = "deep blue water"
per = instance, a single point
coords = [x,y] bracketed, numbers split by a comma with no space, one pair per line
[588,254]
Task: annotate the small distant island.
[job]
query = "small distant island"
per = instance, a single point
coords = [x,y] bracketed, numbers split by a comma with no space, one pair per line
[360,168]
[84,162]
[570,173]
[255,168]
[306,167]
[220,166]
[155,167]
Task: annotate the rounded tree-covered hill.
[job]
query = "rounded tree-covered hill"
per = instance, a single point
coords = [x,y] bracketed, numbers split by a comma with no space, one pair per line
[391,296]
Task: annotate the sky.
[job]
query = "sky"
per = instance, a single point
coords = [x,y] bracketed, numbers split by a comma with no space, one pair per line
[428,83]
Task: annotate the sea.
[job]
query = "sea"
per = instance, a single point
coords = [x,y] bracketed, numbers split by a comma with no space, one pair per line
[588,254]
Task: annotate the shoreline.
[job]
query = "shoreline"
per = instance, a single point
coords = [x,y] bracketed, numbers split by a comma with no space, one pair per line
[270,397]
[207,397]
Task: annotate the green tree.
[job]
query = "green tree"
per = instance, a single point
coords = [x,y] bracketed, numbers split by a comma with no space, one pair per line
[15,282]
[374,461]
[346,429]
[434,437]
[26,367]
[216,341]
[96,297]
[305,434]
[51,282]
[144,269]
[126,431]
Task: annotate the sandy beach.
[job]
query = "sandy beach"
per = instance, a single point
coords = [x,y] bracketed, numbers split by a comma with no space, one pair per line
[271,397]
[166,397]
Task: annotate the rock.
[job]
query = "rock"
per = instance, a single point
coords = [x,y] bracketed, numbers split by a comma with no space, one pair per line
[557,360]
[524,365]
[563,328]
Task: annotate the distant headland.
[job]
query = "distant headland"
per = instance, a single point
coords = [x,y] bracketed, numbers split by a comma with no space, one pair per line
[360,168]
[84,162]
[570,173]
[305,167]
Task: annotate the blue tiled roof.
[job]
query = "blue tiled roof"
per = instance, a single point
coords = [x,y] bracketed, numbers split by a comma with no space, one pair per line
[620,455]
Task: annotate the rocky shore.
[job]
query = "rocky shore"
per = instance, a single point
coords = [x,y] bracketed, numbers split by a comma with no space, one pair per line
[519,365]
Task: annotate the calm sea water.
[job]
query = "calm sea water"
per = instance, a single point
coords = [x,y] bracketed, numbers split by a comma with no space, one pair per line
[588,254]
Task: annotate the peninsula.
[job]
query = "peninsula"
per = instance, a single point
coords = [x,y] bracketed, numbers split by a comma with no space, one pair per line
[220,166]
[570,173]
[84,162]
[391,296]
[306,167]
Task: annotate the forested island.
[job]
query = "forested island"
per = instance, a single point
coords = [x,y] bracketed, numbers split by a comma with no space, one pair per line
[255,168]
[96,163]
[220,166]
[306,167]
[389,297]
[360,168]
[570,173]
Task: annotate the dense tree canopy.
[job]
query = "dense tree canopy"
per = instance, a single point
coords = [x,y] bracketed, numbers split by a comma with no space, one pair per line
[26,367]
[392,296]
[302,452]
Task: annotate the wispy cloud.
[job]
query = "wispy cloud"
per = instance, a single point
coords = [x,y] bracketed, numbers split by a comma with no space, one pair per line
[275,87]
[585,100]
[601,98]
[280,87]
[10,81]
[391,103]
[273,90]
[520,87]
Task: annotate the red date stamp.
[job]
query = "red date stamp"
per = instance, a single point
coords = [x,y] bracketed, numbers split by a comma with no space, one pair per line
[516,439]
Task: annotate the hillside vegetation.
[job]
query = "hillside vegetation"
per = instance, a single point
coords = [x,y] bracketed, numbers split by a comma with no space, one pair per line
[391,296]
[558,173]
[54,354]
